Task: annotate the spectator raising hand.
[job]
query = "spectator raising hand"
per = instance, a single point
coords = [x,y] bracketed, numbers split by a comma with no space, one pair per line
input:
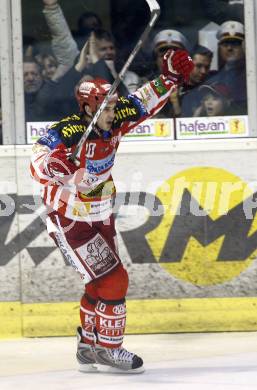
[88,54]
[98,59]
[64,47]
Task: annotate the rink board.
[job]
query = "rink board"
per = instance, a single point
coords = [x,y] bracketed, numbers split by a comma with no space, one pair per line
[147,316]
[192,270]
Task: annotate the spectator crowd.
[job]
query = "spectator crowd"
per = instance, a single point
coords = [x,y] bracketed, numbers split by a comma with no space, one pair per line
[51,74]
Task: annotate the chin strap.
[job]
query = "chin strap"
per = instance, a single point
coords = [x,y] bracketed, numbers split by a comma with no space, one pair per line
[106,134]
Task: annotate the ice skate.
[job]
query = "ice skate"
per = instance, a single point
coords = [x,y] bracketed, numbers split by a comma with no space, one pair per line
[85,354]
[118,360]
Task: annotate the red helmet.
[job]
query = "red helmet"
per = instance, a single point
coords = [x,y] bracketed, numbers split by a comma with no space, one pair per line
[93,93]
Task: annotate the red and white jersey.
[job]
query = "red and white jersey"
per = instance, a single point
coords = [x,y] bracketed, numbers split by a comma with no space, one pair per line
[87,195]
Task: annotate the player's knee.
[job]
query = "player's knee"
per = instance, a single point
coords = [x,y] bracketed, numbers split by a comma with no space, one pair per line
[91,290]
[122,282]
[114,285]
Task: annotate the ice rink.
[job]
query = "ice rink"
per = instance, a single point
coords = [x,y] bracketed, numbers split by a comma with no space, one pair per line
[201,361]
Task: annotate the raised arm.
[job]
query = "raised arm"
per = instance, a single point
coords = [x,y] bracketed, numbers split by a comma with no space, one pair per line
[152,96]
[63,45]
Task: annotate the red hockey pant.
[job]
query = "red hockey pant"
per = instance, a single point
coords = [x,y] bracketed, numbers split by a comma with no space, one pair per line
[103,308]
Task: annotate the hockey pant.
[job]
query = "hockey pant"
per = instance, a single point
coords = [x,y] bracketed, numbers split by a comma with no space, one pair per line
[92,251]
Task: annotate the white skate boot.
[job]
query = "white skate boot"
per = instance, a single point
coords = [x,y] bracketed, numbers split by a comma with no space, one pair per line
[85,354]
[118,360]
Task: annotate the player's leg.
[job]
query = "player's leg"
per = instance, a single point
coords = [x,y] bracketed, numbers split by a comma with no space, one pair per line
[86,333]
[92,252]
[69,235]
[87,314]
[111,315]
[111,308]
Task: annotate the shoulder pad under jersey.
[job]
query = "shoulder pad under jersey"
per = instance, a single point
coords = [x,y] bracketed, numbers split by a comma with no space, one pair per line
[128,109]
[52,139]
[67,131]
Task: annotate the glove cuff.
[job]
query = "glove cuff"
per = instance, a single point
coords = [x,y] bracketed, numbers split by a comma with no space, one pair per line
[173,78]
[161,85]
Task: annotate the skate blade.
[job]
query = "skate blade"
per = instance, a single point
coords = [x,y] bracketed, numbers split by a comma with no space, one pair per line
[114,370]
[88,368]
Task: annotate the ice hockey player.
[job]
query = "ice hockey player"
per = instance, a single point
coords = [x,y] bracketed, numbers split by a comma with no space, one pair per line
[78,199]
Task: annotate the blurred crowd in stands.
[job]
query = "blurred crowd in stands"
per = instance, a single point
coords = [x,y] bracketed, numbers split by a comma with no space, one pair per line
[217,85]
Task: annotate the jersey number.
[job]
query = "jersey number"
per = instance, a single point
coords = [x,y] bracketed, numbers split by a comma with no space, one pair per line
[90,150]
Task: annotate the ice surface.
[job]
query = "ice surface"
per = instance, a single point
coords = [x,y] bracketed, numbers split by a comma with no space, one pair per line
[206,361]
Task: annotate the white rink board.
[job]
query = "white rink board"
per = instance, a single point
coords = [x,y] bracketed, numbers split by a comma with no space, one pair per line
[151,130]
[45,277]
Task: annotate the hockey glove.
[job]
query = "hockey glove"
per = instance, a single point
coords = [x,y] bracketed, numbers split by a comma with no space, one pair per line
[57,163]
[177,66]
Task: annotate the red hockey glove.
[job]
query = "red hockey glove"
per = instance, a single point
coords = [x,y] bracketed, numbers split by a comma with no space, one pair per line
[57,163]
[177,65]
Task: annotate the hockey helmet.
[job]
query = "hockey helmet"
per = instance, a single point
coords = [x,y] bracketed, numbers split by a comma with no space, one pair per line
[93,93]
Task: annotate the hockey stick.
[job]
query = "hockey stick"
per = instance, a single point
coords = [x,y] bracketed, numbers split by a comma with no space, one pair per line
[155,12]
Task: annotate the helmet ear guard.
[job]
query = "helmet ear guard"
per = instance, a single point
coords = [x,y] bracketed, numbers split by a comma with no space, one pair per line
[93,93]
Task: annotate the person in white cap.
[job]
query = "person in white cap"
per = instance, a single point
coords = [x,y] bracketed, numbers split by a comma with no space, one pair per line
[232,70]
[231,42]
[167,39]
[162,41]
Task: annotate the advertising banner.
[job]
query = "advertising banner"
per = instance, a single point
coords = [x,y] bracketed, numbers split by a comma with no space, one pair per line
[35,130]
[150,130]
[212,127]
[186,228]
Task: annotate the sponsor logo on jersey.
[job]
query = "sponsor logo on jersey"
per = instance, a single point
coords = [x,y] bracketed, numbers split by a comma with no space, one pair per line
[73,117]
[102,190]
[51,139]
[69,130]
[159,87]
[98,257]
[125,113]
[66,253]
[119,309]
[90,180]
[115,139]
[81,209]
[139,105]
[123,100]
[147,94]
[98,166]
[89,320]
[112,324]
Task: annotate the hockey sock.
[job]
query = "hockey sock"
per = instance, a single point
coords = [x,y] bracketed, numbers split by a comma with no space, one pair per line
[87,318]
[110,322]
